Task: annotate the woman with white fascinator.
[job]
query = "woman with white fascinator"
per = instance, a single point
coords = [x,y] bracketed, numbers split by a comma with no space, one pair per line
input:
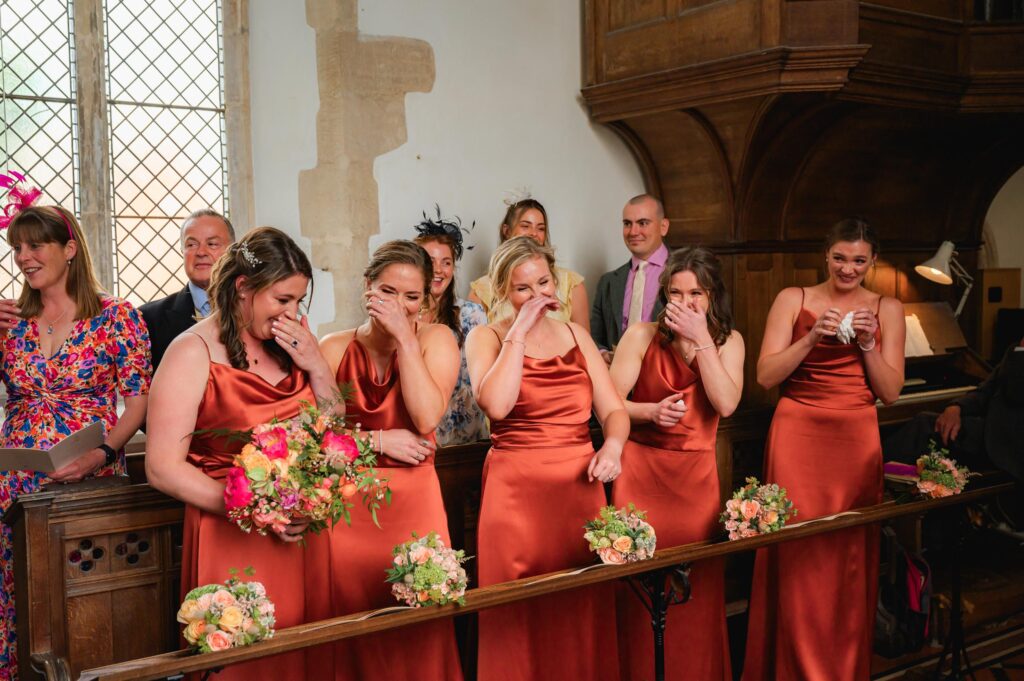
[526,216]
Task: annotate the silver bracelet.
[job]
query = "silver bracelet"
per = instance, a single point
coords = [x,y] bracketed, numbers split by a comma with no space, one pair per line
[868,348]
[703,347]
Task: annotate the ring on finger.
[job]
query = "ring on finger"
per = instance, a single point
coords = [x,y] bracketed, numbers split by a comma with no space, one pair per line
[295,343]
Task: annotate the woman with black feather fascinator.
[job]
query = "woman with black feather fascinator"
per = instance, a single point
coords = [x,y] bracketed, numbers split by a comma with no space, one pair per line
[442,239]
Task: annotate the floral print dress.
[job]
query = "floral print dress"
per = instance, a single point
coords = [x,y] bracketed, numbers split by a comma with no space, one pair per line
[48,399]
[464,421]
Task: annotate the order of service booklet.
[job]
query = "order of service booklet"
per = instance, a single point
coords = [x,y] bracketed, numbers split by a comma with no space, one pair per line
[61,454]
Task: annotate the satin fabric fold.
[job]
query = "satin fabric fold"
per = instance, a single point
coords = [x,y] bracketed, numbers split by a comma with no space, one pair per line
[345,573]
[812,603]
[536,499]
[672,474]
[238,400]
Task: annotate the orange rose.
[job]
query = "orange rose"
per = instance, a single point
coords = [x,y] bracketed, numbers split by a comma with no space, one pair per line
[194,631]
[348,490]
[231,618]
[623,544]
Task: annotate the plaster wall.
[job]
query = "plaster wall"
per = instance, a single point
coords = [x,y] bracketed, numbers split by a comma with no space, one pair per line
[1005,223]
[502,112]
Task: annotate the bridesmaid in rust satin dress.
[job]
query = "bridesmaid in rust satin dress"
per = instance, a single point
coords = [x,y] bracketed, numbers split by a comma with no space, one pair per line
[536,378]
[387,360]
[252,360]
[680,374]
[812,603]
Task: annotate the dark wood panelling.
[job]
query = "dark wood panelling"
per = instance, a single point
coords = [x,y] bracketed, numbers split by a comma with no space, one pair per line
[625,15]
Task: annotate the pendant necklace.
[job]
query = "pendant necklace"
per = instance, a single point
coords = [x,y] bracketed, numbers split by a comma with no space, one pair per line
[49,323]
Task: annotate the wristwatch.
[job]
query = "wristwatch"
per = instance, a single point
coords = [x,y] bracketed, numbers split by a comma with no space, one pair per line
[110,452]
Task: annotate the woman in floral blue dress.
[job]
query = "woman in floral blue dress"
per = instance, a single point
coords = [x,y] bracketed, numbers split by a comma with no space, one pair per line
[442,240]
[66,351]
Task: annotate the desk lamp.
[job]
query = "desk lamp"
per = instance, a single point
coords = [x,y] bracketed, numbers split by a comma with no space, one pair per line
[941,269]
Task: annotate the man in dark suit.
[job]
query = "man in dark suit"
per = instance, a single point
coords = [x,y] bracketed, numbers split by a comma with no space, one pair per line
[622,297]
[983,428]
[205,235]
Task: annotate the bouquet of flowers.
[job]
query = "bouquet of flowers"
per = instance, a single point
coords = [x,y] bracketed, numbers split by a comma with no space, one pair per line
[309,467]
[621,535]
[228,615]
[939,476]
[757,509]
[426,572]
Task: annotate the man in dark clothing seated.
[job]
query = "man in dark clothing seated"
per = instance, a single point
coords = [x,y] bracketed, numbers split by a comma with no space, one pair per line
[983,429]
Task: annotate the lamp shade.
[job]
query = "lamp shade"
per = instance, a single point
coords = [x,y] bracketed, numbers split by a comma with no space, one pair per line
[937,267]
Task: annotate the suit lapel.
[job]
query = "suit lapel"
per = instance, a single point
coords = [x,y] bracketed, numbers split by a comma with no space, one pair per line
[183,309]
[618,292]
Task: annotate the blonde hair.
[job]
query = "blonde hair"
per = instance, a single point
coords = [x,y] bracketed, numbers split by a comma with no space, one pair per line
[510,255]
[54,224]
[515,212]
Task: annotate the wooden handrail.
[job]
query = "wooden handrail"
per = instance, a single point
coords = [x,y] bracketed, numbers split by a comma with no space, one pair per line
[359,624]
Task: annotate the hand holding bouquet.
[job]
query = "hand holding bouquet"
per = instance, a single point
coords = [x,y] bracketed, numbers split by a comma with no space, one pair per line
[308,467]
[621,535]
[426,572]
[939,476]
[229,615]
[757,509]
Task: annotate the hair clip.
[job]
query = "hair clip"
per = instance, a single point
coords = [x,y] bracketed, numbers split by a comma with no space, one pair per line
[517,195]
[248,256]
[448,228]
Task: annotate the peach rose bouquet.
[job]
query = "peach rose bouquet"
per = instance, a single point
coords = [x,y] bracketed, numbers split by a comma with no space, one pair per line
[308,467]
[757,509]
[229,615]
[426,572]
[939,475]
[621,535]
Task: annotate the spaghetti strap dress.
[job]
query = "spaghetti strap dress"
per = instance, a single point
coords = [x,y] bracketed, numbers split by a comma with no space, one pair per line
[812,603]
[672,474]
[236,399]
[536,499]
[346,573]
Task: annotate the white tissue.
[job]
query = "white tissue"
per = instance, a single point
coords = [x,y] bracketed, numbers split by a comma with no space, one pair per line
[845,332]
[680,402]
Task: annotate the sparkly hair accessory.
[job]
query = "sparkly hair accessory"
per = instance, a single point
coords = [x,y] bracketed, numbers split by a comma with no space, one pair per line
[517,195]
[19,198]
[446,228]
[249,256]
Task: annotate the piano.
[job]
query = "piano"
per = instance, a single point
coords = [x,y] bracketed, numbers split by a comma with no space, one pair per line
[932,381]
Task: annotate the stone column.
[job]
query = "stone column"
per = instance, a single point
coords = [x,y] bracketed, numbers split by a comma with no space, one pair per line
[362,83]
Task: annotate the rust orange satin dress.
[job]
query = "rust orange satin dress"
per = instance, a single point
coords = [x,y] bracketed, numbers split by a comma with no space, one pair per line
[812,603]
[346,573]
[672,474]
[536,499]
[238,400]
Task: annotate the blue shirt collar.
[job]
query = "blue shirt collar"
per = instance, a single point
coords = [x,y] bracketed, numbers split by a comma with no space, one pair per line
[200,299]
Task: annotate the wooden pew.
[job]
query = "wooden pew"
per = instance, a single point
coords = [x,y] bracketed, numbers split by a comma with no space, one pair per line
[104,600]
[358,624]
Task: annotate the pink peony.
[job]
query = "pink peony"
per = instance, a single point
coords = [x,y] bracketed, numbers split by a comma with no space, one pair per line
[236,490]
[749,508]
[272,441]
[218,640]
[224,598]
[340,449]
[420,554]
[611,556]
